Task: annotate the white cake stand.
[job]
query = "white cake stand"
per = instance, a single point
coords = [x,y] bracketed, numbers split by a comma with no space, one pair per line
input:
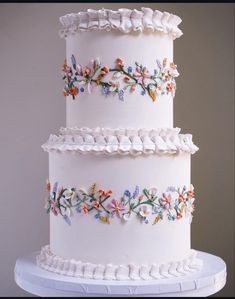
[37,281]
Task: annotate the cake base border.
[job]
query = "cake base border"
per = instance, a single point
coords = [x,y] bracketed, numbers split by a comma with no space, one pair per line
[35,280]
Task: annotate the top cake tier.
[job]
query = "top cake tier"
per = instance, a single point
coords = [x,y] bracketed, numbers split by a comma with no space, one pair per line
[119,69]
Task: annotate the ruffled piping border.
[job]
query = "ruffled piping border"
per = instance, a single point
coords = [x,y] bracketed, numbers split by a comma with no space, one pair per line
[125,20]
[70,267]
[121,141]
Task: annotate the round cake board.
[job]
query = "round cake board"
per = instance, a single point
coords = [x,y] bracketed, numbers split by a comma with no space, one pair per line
[38,281]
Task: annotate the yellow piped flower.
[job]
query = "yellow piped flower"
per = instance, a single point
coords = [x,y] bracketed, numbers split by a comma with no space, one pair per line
[105,219]
[93,189]
[153,94]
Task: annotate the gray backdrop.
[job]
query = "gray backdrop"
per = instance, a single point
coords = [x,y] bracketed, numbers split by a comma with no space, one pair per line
[32,107]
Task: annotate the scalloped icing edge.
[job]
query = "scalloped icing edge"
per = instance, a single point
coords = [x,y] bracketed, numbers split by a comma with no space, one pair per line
[123,19]
[121,141]
[70,267]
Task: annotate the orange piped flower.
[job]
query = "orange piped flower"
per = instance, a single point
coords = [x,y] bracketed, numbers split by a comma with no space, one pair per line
[66,93]
[48,186]
[97,204]
[179,216]
[126,79]
[133,87]
[173,66]
[190,193]
[85,209]
[105,193]
[86,71]
[73,91]
[181,197]
[105,70]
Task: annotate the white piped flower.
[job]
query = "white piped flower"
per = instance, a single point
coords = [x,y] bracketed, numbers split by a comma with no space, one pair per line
[145,211]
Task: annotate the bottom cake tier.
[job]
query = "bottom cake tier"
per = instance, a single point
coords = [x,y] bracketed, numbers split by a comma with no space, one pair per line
[119,217]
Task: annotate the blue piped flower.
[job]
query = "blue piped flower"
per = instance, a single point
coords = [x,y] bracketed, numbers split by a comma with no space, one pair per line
[143,92]
[67,220]
[129,69]
[82,89]
[78,210]
[105,89]
[97,216]
[136,192]
[127,193]
[121,94]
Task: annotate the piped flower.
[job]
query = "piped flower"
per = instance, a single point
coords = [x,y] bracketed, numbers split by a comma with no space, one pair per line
[145,211]
[116,207]
[120,62]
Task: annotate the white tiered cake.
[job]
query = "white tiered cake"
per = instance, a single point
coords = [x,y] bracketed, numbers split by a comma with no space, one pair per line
[120,196]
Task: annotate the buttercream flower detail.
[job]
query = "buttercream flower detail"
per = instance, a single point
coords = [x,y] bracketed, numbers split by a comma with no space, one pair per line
[133,87]
[182,197]
[179,216]
[136,192]
[105,193]
[105,70]
[189,208]
[93,189]
[69,193]
[86,71]
[78,77]
[85,209]
[120,62]
[126,79]
[153,93]
[145,211]
[164,63]
[121,94]
[48,186]
[170,87]
[173,70]
[127,216]
[165,201]
[73,91]
[190,193]
[54,207]
[142,75]
[97,204]
[152,192]
[175,204]
[116,207]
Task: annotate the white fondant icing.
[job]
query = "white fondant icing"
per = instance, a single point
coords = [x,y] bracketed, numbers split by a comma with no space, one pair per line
[124,20]
[121,141]
[46,259]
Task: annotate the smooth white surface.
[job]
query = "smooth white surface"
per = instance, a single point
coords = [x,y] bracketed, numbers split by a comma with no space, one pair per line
[40,282]
[95,109]
[119,243]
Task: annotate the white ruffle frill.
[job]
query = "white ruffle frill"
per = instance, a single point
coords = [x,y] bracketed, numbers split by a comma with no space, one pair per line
[121,141]
[51,262]
[124,20]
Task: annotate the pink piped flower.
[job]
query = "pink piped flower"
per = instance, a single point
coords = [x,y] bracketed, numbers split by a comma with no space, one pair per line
[173,66]
[170,87]
[54,208]
[142,75]
[165,201]
[116,207]
[86,71]
[120,62]
[104,70]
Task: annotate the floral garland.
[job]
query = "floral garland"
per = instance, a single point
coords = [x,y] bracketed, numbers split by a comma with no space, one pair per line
[173,204]
[77,78]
